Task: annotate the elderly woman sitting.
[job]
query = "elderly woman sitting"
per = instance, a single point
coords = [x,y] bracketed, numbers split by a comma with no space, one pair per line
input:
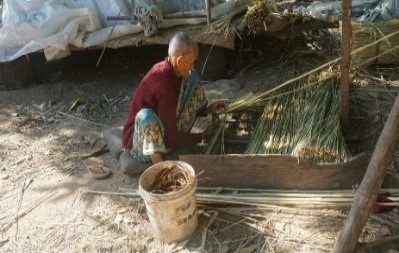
[164,108]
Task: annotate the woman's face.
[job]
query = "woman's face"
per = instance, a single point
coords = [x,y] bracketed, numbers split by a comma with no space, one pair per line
[185,63]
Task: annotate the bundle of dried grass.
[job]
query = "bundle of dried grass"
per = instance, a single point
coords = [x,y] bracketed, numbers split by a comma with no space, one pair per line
[304,122]
[228,23]
[258,14]
[170,179]
[300,117]
[367,32]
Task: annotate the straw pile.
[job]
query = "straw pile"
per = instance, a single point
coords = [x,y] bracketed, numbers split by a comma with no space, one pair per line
[258,14]
[367,32]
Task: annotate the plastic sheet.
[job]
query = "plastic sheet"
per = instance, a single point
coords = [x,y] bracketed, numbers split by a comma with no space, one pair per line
[51,25]
[362,10]
[30,26]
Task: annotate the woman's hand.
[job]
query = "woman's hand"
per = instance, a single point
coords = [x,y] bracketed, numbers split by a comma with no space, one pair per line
[215,106]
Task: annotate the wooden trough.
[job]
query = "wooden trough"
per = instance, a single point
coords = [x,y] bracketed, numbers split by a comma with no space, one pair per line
[276,172]
[265,171]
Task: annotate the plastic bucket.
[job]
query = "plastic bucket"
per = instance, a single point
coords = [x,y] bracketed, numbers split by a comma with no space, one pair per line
[173,215]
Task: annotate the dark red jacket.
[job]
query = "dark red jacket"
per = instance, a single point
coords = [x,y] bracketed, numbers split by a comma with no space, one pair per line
[159,90]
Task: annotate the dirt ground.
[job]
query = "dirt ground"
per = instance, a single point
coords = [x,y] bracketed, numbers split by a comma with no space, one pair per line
[44,204]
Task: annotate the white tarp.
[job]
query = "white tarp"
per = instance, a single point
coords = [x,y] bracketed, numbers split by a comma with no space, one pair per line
[362,10]
[51,25]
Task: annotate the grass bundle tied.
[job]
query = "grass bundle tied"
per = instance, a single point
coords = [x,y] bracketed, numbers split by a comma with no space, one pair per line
[170,179]
[300,117]
[258,14]
[228,23]
[367,32]
[304,122]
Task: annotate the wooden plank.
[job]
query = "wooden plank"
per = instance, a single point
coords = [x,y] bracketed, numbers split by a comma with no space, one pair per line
[164,35]
[276,172]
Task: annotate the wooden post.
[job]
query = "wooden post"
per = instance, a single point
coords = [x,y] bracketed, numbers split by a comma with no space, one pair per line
[345,62]
[367,192]
[208,11]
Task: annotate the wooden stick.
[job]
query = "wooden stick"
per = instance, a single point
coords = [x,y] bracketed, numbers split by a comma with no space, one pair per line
[24,187]
[367,193]
[109,36]
[25,212]
[345,62]
[125,194]
[84,120]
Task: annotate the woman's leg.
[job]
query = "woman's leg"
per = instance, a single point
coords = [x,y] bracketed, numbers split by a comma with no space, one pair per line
[148,141]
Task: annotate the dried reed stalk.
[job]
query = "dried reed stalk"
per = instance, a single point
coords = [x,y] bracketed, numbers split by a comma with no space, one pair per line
[366,32]
[259,198]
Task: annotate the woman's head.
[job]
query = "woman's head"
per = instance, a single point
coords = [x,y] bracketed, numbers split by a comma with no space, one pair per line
[183,52]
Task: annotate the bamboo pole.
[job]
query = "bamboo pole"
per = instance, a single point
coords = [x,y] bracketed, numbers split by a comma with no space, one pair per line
[208,11]
[367,192]
[345,62]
